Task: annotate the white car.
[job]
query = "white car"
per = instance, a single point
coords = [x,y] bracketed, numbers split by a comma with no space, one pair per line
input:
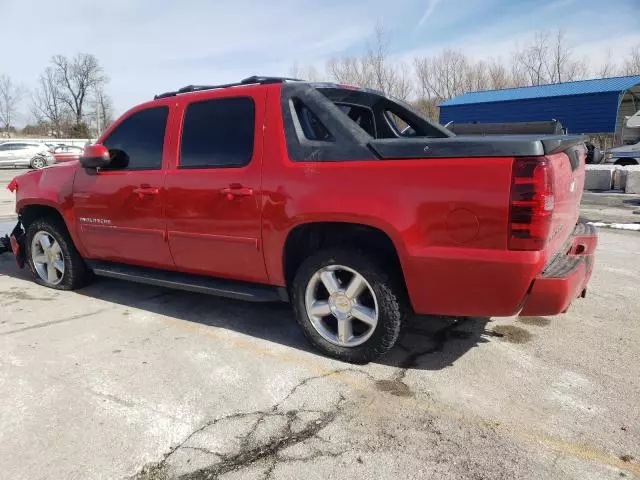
[21,153]
[624,155]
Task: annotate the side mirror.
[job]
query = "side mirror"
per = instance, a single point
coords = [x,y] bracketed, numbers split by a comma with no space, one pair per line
[95,156]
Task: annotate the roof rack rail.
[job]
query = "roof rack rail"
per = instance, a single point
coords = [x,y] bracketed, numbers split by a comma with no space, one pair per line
[255,79]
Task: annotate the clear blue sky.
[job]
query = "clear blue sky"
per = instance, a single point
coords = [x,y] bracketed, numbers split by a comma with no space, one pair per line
[150,46]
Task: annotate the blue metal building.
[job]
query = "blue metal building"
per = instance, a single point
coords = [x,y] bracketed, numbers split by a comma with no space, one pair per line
[586,106]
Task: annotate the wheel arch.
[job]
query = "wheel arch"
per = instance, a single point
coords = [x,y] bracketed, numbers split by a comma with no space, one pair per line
[39,218]
[309,237]
[30,212]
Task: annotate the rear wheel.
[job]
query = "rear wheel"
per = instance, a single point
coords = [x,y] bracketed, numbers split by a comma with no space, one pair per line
[346,305]
[52,256]
[38,163]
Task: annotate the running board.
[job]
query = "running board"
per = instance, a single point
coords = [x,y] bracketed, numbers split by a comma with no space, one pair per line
[253,292]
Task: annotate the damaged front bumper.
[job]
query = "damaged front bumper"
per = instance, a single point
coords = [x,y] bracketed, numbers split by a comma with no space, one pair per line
[14,243]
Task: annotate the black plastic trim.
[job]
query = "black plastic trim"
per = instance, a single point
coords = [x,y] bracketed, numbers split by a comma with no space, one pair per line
[562,264]
[549,127]
[253,292]
[255,79]
[379,103]
[349,142]
[561,143]
[474,146]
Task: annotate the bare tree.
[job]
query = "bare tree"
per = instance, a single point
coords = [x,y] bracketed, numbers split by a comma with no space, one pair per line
[532,60]
[390,78]
[429,107]
[548,59]
[305,72]
[349,70]
[295,71]
[519,77]
[77,78]
[446,75]
[632,63]
[374,69]
[498,76]
[102,112]
[476,76]
[608,68]
[47,104]
[564,67]
[10,96]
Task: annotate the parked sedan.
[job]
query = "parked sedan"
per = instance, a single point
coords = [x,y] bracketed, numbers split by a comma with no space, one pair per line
[67,153]
[25,154]
[624,155]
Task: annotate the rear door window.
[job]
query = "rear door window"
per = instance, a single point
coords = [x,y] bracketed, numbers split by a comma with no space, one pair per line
[137,143]
[218,133]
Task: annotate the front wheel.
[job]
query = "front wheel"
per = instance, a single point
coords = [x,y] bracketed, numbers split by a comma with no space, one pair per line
[347,306]
[52,256]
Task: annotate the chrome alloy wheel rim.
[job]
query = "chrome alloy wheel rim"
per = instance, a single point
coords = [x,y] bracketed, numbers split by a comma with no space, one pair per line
[47,258]
[341,305]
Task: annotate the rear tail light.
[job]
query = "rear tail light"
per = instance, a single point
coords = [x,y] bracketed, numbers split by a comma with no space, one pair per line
[13,185]
[532,203]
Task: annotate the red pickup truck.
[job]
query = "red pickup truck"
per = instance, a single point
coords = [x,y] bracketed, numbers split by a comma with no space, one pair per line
[317,194]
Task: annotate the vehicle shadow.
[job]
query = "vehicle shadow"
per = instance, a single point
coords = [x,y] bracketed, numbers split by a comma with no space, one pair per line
[427,343]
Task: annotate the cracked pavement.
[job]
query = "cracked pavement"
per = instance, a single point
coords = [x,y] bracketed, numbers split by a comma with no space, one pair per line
[123,381]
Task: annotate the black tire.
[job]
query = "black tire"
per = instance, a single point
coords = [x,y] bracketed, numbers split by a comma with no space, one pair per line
[76,274]
[625,162]
[40,160]
[391,307]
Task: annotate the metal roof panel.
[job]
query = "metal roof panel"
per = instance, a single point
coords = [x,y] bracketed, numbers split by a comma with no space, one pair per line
[581,87]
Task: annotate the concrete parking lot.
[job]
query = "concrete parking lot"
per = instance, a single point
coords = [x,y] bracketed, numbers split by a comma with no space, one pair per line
[128,381]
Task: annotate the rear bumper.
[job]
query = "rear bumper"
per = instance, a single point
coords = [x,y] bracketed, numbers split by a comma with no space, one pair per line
[566,277]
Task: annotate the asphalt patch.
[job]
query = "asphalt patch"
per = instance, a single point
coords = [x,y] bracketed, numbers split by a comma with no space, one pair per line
[512,334]
[536,321]
[24,296]
[394,387]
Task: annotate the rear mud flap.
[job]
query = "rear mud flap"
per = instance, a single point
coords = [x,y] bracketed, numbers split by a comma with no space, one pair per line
[14,243]
[5,244]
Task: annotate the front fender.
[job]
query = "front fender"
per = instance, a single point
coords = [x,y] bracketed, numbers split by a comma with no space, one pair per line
[50,187]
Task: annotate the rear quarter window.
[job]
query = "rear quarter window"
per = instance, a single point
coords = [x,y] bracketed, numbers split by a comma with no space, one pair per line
[309,123]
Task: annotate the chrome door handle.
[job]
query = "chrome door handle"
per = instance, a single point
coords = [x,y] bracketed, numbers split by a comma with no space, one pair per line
[236,190]
[144,191]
